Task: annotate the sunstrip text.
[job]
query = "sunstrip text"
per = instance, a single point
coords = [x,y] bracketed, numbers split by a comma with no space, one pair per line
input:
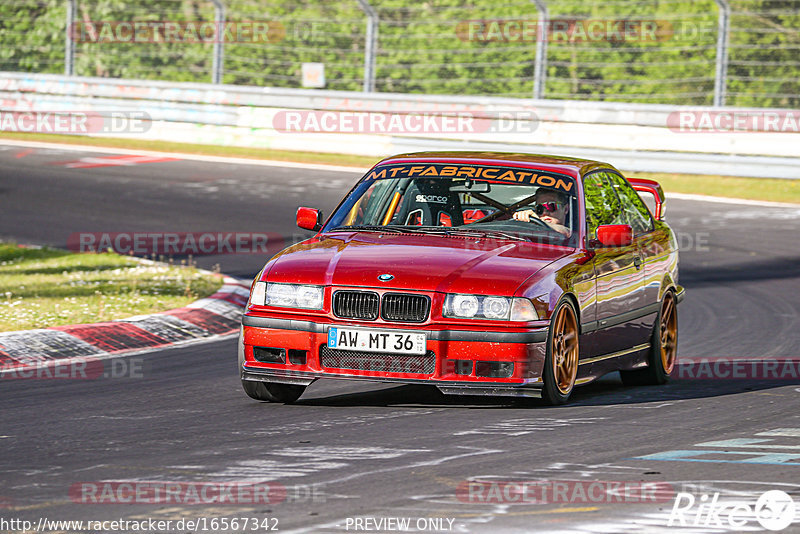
[472,171]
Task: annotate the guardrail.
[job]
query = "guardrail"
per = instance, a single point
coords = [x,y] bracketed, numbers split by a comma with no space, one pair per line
[634,137]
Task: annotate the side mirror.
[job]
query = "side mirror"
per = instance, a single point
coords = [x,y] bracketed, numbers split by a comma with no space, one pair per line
[615,235]
[309,219]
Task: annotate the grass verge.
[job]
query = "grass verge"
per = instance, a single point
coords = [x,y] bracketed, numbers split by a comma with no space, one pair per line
[776,190]
[43,287]
[770,189]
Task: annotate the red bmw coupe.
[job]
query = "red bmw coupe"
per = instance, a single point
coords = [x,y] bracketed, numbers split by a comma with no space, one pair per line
[479,273]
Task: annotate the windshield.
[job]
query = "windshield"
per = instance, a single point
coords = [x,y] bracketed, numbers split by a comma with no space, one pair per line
[484,200]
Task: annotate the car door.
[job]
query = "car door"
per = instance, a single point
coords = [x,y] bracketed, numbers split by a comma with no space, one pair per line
[648,244]
[619,274]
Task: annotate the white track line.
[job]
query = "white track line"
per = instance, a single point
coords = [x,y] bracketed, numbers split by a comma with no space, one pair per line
[190,157]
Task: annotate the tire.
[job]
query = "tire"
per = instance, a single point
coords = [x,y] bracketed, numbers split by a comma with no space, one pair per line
[272,392]
[663,353]
[561,358]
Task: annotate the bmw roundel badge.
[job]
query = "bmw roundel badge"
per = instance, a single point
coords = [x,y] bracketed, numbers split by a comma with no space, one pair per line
[385,277]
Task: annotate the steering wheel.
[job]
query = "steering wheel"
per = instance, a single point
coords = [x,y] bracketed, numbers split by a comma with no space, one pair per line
[540,222]
[495,215]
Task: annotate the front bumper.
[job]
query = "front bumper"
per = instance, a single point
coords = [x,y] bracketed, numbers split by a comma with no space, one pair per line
[457,360]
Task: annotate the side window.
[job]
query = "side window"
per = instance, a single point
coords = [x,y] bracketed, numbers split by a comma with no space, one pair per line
[633,207]
[357,215]
[602,204]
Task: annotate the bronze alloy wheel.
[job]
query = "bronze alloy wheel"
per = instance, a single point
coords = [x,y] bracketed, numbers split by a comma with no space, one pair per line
[565,350]
[663,352]
[669,333]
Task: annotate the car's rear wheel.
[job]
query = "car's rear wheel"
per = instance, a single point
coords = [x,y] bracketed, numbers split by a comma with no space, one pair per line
[272,392]
[561,358]
[663,348]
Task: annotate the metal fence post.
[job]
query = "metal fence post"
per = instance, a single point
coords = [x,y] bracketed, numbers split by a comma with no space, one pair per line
[218,63]
[69,45]
[723,31]
[540,66]
[370,45]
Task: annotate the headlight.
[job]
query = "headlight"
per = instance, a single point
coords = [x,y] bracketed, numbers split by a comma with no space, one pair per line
[462,305]
[287,296]
[484,307]
[309,297]
[281,295]
[495,308]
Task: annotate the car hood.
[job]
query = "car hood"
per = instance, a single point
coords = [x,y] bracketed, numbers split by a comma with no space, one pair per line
[451,264]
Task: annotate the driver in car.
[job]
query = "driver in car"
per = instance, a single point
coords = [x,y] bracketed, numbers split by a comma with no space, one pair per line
[551,207]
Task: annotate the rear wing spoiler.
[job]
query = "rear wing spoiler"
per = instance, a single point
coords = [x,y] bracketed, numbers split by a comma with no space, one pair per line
[651,187]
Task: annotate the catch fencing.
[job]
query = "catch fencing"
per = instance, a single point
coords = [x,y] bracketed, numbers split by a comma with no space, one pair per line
[699,52]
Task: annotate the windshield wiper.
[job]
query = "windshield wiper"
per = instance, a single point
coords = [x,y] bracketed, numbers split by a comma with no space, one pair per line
[370,228]
[398,229]
[474,232]
[433,230]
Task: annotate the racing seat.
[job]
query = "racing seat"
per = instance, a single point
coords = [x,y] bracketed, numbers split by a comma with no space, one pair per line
[429,203]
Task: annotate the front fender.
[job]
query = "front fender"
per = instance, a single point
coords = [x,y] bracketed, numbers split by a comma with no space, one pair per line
[567,276]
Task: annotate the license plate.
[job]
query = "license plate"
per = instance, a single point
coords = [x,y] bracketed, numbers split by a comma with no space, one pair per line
[376,340]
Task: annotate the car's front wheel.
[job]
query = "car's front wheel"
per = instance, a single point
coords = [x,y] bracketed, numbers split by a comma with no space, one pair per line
[663,348]
[561,358]
[272,392]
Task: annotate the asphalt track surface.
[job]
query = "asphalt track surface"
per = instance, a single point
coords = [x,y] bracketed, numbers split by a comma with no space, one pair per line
[350,451]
